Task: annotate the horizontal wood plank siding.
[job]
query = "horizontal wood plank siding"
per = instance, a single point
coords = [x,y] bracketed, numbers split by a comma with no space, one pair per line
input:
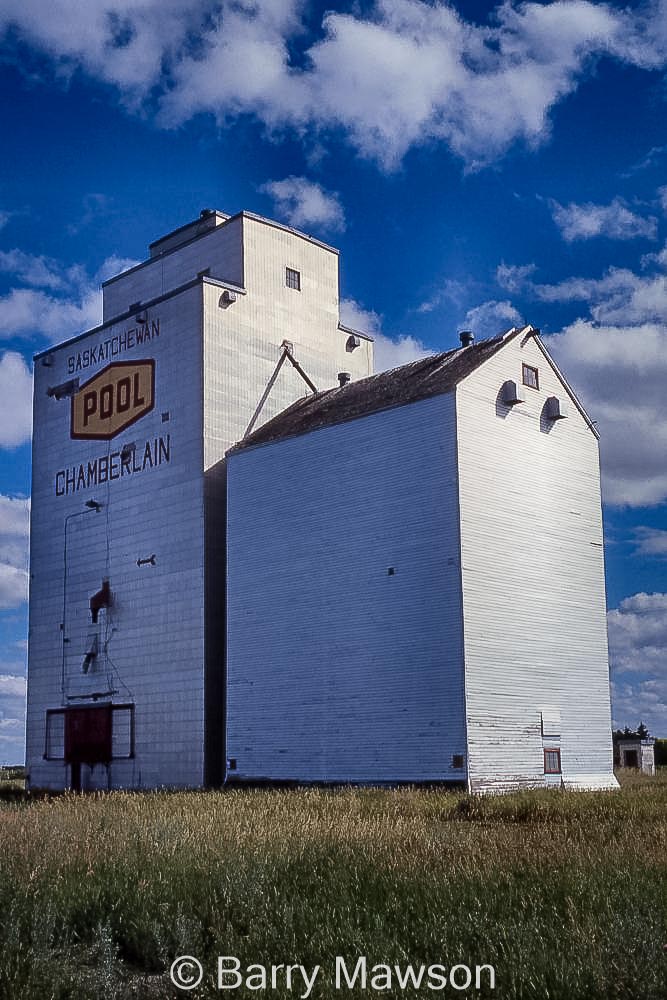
[533,579]
[337,670]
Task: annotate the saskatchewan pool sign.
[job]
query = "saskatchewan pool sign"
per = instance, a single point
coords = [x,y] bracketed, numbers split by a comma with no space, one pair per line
[113,399]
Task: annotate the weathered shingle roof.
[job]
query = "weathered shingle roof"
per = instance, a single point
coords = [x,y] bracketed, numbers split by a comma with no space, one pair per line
[422,379]
[418,380]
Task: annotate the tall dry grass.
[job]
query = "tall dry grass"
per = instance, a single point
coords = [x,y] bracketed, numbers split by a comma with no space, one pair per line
[564,893]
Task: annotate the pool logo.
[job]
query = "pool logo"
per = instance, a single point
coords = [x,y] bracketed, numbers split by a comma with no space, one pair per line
[116,397]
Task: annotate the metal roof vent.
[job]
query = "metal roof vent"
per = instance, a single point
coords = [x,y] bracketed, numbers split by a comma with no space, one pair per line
[343,378]
[555,408]
[352,343]
[467,338]
[511,393]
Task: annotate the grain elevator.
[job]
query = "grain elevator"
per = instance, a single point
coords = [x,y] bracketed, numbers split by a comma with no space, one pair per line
[229,320]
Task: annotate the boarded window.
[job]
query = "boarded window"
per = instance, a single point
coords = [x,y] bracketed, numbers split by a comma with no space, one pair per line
[550,721]
[531,377]
[122,740]
[88,735]
[552,761]
[55,736]
[92,734]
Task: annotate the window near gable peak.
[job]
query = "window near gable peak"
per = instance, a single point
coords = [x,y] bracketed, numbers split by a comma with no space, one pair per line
[530,377]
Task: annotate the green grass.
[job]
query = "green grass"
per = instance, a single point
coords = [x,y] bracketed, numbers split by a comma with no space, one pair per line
[564,893]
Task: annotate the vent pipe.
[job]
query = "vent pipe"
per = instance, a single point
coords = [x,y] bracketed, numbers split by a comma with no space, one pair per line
[467,338]
[343,378]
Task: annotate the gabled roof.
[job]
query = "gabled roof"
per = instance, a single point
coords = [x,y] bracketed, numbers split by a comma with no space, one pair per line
[422,379]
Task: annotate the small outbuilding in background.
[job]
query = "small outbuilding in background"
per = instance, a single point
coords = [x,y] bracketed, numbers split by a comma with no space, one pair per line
[635,753]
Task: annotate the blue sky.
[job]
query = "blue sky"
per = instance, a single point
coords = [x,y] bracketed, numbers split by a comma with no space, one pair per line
[478,166]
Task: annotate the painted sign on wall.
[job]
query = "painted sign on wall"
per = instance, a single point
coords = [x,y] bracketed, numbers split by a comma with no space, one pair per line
[113,399]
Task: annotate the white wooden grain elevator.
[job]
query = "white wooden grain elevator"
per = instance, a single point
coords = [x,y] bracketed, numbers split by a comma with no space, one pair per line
[252,560]
[228,321]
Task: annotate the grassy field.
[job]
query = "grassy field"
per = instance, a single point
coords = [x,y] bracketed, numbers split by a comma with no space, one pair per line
[565,894]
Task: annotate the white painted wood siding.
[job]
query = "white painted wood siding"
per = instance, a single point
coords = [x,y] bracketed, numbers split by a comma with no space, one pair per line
[338,671]
[221,250]
[243,341]
[156,625]
[533,580]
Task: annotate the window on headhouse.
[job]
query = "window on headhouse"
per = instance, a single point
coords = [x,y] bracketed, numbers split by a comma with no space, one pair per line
[293,278]
[531,377]
[457,761]
[552,761]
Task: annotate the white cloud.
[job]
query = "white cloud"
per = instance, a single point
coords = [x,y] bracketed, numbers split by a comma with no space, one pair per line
[72,304]
[662,195]
[451,290]
[388,352]
[15,400]
[38,271]
[620,296]
[401,74]
[616,359]
[620,374]
[650,542]
[391,353]
[302,203]
[8,727]
[491,318]
[12,685]
[615,221]
[4,218]
[14,531]
[354,315]
[638,655]
[12,732]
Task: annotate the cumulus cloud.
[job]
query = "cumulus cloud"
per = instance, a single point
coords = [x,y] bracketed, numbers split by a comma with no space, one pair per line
[354,315]
[302,203]
[615,221]
[637,644]
[650,542]
[38,271]
[616,359]
[15,400]
[61,302]
[620,374]
[620,296]
[14,531]
[491,318]
[450,290]
[400,74]
[12,685]
[12,730]
[388,352]
[392,352]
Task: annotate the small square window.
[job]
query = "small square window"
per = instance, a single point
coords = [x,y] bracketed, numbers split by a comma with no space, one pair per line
[531,377]
[552,761]
[457,761]
[293,278]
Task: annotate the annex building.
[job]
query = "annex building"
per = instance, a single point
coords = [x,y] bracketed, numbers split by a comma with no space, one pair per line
[252,560]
